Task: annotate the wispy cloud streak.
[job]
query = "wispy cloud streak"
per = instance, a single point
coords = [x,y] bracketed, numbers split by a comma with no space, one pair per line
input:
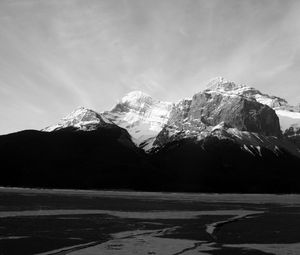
[56,55]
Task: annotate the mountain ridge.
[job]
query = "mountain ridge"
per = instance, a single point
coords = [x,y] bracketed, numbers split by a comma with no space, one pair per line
[223,139]
[145,117]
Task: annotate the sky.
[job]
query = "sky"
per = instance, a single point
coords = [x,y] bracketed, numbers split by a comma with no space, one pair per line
[61,54]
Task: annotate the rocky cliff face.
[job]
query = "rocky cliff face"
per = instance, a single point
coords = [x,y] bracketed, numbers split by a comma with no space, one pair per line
[220,108]
[288,114]
[236,111]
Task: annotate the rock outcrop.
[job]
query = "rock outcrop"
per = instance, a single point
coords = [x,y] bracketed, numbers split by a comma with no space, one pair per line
[236,111]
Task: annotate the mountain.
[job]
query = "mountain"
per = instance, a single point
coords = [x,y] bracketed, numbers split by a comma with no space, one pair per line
[81,119]
[141,115]
[288,115]
[218,163]
[223,140]
[72,158]
[224,86]
[239,106]
[227,138]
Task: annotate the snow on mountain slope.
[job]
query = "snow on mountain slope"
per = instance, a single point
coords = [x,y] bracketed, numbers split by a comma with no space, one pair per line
[288,118]
[226,87]
[82,119]
[253,143]
[141,115]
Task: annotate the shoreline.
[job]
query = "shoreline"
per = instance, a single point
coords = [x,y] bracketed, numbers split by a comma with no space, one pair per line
[216,197]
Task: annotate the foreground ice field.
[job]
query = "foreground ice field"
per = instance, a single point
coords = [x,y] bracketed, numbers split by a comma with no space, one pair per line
[114,222]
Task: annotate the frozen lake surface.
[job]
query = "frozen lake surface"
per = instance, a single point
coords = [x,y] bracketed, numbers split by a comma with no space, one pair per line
[123,222]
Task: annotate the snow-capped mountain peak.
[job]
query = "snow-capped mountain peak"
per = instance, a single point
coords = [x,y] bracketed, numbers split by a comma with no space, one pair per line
[79,113]
[287,114]
[136,97]
[142,116]
[221,84]
[82,114]
[81,118]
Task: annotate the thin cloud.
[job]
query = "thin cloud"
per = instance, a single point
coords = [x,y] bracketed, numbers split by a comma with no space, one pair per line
[57,55]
